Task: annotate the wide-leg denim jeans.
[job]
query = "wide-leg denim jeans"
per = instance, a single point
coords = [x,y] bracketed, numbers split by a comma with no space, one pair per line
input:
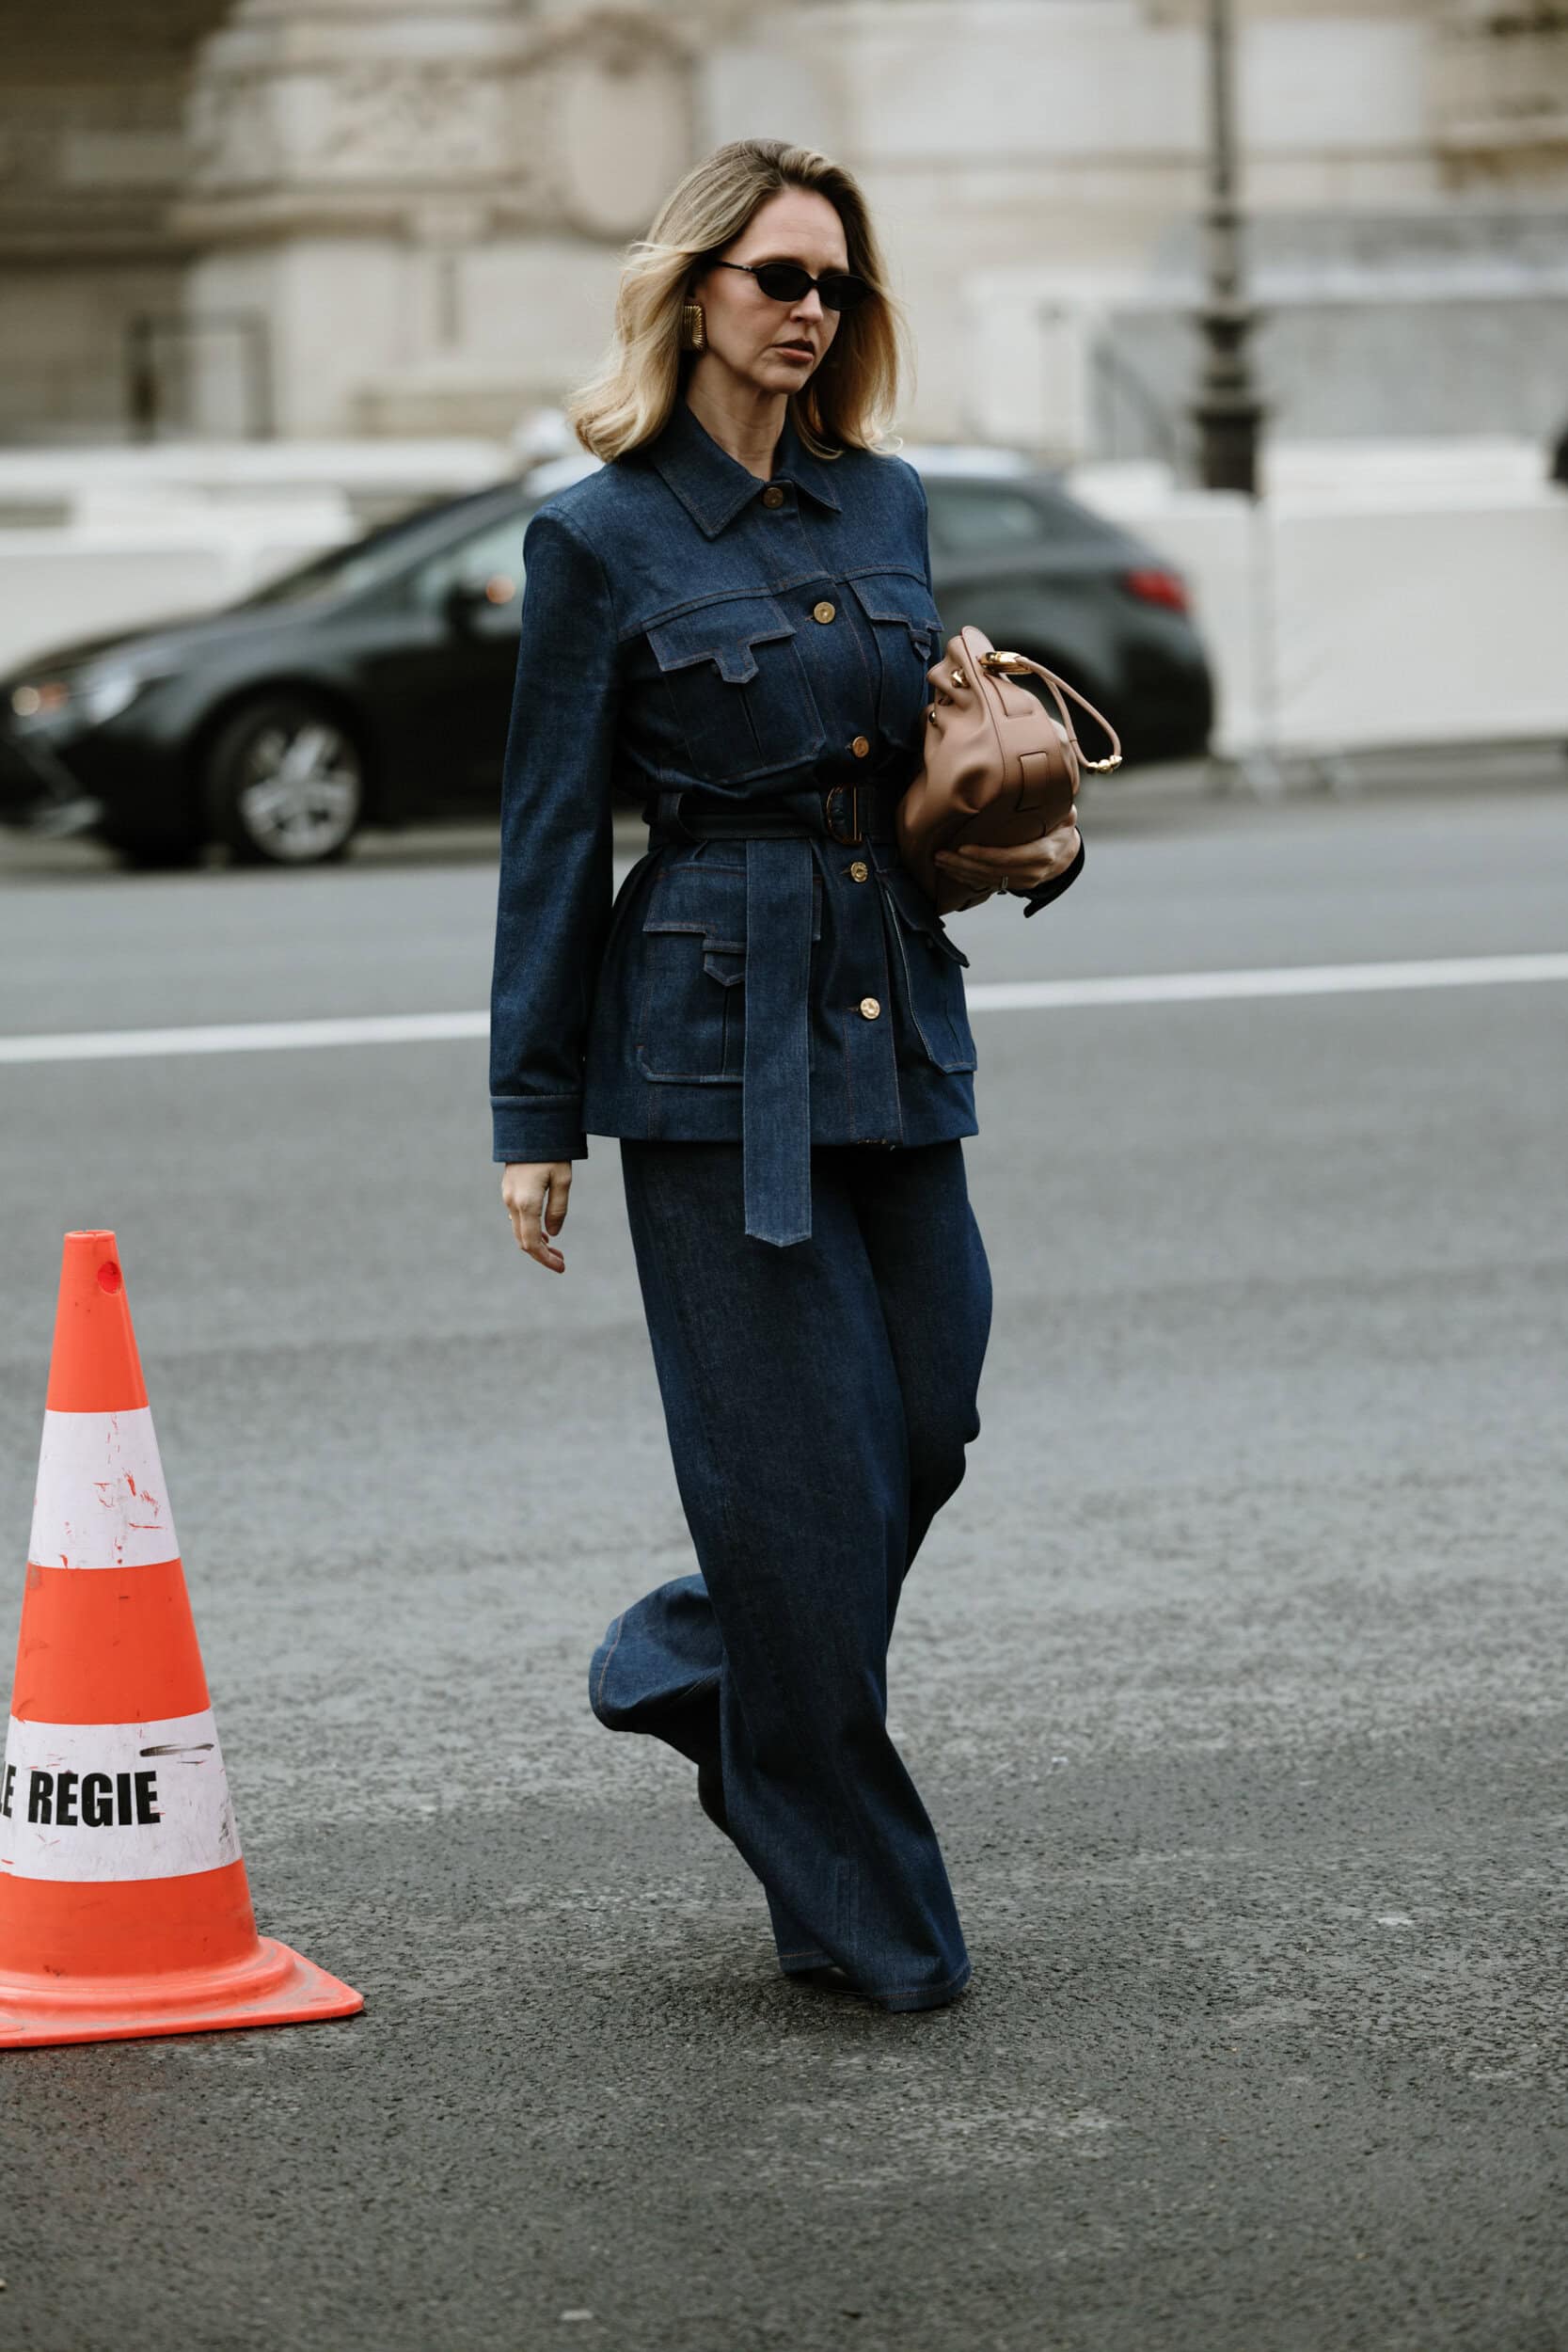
[818,1401]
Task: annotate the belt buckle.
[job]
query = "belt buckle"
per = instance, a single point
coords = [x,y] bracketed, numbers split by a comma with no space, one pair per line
[846,840]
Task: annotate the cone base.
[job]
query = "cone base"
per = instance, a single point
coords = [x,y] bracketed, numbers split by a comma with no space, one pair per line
[276,1986]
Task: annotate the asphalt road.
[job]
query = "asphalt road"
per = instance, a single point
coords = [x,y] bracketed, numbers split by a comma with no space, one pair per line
[1232,1678]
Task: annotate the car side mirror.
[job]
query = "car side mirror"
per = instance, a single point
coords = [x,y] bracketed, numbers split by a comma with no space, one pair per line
[458,607]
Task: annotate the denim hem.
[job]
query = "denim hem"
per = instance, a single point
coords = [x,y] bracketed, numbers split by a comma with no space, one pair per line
[610,1646]
[925,1995]
[901,1998]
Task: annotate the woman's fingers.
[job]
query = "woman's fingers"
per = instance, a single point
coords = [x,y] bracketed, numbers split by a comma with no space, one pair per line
[525,1187]
[559,1199]
[1016,865]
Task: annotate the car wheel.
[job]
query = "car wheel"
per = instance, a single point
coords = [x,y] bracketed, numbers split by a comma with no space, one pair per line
[284,783]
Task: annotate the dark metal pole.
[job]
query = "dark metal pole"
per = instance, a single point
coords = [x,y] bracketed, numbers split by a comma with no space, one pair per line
[141,378]
[1228,412]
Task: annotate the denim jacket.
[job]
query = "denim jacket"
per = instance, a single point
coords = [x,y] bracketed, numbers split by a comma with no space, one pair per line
[687,628]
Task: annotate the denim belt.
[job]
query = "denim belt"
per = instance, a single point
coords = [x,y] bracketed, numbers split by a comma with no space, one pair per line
[775,1079]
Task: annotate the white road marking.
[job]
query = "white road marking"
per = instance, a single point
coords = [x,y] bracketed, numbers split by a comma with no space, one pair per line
[1138,988]
[245,1036]
[1303,979]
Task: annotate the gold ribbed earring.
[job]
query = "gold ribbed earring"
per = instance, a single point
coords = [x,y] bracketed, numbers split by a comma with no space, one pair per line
[693,327]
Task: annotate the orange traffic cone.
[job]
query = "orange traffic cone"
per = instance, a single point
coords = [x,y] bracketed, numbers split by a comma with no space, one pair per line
[124,1907]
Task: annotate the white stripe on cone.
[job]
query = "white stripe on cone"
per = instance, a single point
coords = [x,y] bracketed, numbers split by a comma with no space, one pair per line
[101,1501]
[115,1801]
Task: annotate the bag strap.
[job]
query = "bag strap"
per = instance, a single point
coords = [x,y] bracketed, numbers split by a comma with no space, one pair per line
[1017,664]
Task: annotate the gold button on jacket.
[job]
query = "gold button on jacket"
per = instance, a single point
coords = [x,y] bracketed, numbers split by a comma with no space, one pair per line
[823,611]
[860,746]
[772,496]
[860,871]
[870,1008]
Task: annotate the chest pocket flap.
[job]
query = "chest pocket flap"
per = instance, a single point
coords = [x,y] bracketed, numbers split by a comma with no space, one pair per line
[737,692]
[724,633]
[889,596]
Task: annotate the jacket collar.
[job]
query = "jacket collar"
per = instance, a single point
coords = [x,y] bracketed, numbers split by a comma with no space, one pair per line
[713,487]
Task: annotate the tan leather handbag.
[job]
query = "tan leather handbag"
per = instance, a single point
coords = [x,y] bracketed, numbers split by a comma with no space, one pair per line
[999,768]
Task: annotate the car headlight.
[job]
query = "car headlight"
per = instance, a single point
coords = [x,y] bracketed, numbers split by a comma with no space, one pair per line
[88,697]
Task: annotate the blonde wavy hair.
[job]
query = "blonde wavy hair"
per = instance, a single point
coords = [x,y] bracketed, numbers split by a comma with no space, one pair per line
[850,399]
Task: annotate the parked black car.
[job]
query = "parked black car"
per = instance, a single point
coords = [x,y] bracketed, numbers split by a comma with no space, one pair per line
[373,685]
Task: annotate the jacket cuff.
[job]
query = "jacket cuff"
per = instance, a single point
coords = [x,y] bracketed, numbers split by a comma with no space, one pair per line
[538,1127]
[1055,887]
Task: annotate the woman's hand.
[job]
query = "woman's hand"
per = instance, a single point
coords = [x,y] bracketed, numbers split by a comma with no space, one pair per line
[1020,866]
[526,1186]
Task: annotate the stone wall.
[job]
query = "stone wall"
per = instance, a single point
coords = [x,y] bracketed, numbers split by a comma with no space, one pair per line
[92,154]
[406,215]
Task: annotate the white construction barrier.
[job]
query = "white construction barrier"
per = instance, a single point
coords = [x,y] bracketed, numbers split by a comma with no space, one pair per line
[93,540]
[1403,596]
[58,586]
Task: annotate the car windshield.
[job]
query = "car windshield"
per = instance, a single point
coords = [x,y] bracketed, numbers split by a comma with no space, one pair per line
[381,555]
[988,518]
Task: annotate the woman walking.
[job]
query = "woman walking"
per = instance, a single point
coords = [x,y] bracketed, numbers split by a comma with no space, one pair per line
[733,619]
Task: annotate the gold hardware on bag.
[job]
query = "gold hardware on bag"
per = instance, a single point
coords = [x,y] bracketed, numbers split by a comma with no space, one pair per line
[1002,663]
[958,676]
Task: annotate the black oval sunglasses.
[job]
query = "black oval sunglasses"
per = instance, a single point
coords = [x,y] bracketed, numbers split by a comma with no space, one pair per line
[787,281]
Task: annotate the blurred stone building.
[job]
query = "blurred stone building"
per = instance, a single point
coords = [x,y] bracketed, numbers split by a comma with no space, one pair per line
[404,216]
